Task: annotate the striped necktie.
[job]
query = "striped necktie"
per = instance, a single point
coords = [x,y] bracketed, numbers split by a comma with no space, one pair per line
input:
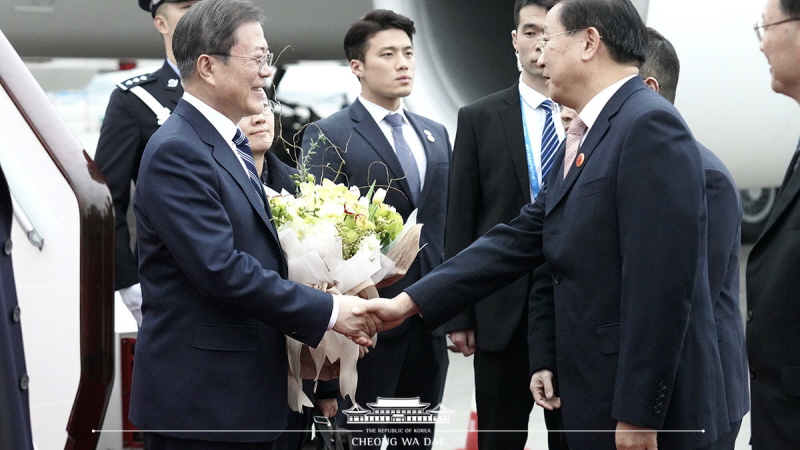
[244,151]
[550,140]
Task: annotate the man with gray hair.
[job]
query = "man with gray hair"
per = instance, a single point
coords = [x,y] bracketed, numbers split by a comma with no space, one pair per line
[773,290]
[211,361]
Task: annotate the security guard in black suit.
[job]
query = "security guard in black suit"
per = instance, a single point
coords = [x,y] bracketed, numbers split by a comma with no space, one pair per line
[15,418]
[138,106]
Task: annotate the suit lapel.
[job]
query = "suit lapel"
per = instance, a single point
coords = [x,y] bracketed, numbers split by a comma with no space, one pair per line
[511,118]
[371,132]
[595,136]
[224,156]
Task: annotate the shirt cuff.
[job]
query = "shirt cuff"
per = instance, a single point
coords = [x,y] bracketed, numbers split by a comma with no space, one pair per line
[334,313]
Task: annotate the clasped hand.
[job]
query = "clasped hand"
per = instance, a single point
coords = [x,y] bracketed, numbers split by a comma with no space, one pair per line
[360,319]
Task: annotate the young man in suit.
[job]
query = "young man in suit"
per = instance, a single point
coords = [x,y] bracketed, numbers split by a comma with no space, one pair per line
[773,290]
[505,145]
[211,361]
[629,328]
[660,72]
[138,106]
[410,157]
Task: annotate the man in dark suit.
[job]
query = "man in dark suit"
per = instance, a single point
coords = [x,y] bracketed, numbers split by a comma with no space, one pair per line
[773,288]
[211,365]
[410,157]
[138,106]
[622,226]
[660,72]
[500,157]
[15,416]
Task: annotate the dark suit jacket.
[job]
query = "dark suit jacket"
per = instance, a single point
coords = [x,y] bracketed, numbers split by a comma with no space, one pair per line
[624,236]
[489,184]
[724,243]
[127,126]
[15,417]
[211,352]
[773,334]
[372,159]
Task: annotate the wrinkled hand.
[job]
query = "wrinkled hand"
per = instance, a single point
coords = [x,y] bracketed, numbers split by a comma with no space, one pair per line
[392,313]
[354,322]
[327,406]
[543,391]
[463,342]
[631,437]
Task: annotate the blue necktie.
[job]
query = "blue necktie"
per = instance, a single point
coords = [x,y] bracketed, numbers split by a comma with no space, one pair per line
[404,154]
[244,151]
[550,141]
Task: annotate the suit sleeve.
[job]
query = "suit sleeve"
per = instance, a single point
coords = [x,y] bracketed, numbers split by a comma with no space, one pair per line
[117,156]
[180,197]
[502,255]
[542,322]
[463,203]
[662,226]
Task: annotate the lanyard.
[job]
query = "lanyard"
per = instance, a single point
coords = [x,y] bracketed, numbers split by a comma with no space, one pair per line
[534,177]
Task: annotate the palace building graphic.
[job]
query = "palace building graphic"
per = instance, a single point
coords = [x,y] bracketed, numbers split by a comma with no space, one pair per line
[398,410]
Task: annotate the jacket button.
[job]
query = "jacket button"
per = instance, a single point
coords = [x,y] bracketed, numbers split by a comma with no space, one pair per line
[662,385]
[661,394]
[8,246]
[15,314]
[657,410]
[557,278]
[749,315]
[23,382]
[659,402]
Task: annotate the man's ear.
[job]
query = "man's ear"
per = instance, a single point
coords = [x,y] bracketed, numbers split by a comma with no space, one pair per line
[206,68]
[161,24]
[357,67]
[652,83]
[592,43]
[514,39]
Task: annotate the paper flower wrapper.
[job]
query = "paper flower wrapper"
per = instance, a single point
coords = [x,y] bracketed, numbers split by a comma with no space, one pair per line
[317,261]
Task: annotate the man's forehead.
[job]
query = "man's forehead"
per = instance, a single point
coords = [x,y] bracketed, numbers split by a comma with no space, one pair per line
[551,20]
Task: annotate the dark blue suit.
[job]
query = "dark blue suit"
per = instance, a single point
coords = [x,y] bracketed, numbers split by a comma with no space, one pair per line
[624,235]
[15,418]
[407,361]
[724,243]
[211,351]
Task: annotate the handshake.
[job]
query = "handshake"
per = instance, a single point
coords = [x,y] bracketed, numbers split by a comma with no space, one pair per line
[360,319]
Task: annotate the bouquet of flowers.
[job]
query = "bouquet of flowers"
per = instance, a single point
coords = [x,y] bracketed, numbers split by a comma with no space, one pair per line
[336,240]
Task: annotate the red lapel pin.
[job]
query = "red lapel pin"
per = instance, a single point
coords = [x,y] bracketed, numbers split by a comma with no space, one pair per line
[579,160]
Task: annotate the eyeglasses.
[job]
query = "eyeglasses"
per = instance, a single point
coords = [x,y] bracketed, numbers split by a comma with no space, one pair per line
[761,27]
[543,40]
[265,60]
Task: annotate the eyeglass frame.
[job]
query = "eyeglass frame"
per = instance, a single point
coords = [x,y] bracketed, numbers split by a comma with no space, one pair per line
[542,41]
[265,60]
[760,27]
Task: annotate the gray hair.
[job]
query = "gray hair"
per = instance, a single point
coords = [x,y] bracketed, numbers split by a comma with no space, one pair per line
[209,28]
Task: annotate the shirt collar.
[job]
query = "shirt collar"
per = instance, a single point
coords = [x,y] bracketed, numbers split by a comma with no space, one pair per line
[531,96]
[379,112]
[174,67]
[595,106]
[222,124]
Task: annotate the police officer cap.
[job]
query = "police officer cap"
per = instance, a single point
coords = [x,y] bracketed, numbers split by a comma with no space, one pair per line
[152,5]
